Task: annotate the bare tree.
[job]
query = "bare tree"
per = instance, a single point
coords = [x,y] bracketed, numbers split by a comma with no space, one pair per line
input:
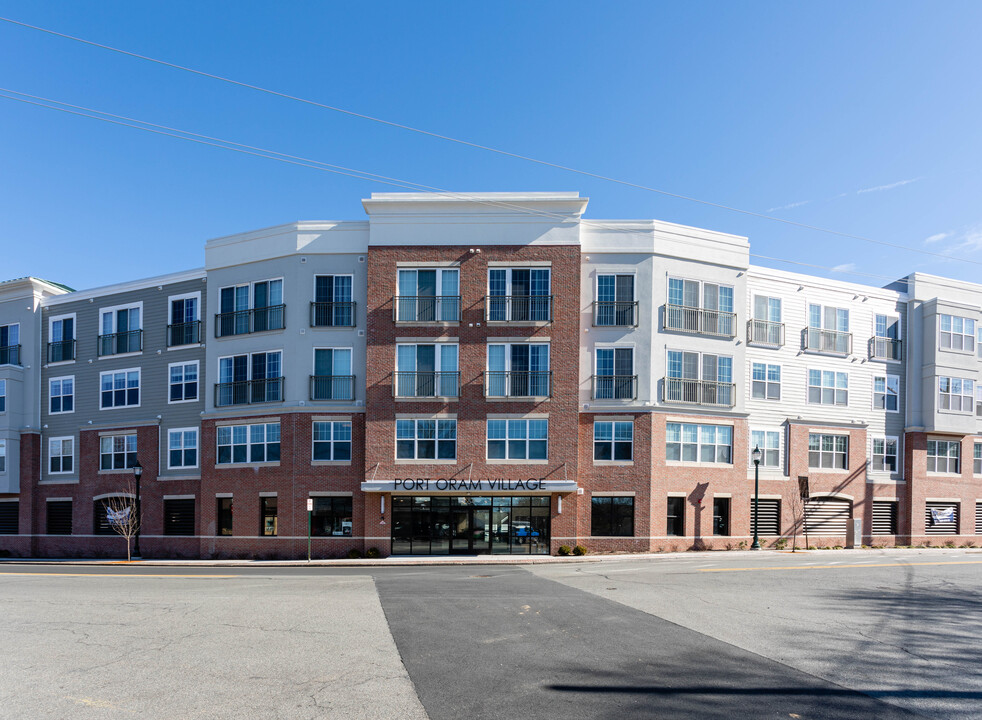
[122,516]
[797,518]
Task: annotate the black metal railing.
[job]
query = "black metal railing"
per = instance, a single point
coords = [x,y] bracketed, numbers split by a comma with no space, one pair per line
[682,318]
[615,387]
[518,308]
[61,350]
[332,387]
[426,384]
[881,348]
[332,314]
[518,384]
[247,392]
[241,322]
[698,392]
[10,355]
[827,341]
[615,313]
[764,332]
[188,333]
[121,342]
[426,308]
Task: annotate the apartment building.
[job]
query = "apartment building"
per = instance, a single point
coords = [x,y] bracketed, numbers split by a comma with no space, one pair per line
[489,373]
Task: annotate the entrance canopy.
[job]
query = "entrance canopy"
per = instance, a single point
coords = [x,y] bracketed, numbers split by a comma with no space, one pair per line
[455,485]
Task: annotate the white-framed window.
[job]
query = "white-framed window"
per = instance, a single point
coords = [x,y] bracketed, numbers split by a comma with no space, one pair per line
[765,383]
[121,329]
[518,370]
[519,294]
[943,456]
[977,458]
[884,453]
[61,338]
[769,442]
[428,295]
[332,378]
[613,440]
[333,306]
[257,377]
[251,307]
[828,387]
[956,394]
[182,448]
[615,300]
[61,455]
[428,370]
[182,382]
[117,452]
[767,309]
[183,327]
[978,399]
[119,388]
[259,442]
[956,333]
[61,395]
[426,439]
[332,440]
[10,344]
[688,293]
[828,451]
[614,377]
[705,378]
[886,393]
[518,439]
[3,456]
[828,329]
[699,443]
[3,396]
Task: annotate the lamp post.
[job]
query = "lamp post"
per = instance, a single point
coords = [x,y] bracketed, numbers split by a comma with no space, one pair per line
[756,456]
[137,473]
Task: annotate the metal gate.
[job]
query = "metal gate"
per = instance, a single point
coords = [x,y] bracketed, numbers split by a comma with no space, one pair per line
[827,516]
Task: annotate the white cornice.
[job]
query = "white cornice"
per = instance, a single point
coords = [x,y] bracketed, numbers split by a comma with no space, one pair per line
[142,284]
[814,281]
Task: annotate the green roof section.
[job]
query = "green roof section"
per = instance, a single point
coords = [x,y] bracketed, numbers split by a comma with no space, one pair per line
[46,282]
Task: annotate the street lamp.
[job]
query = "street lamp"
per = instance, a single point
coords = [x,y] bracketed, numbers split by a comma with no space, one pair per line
[137,473]
[756,456]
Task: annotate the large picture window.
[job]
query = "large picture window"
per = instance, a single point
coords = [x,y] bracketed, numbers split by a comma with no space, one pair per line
[613,440]
[332,517]
[249,443]
[943,456]
[826,387]
[117,452]
[612,517]
[956,333]
[426,439]
[828,451]
[956,394]
[332,440]
[699,443]
[120,388]
[518,439]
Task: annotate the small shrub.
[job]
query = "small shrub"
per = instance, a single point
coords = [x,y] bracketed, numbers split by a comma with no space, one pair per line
[742,545]
[950,544]
[781,543]
[373,553]
[579,550]
[354,554]
[564,550]
[812,547]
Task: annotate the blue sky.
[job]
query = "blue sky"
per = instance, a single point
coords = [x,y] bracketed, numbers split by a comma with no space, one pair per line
[860,117]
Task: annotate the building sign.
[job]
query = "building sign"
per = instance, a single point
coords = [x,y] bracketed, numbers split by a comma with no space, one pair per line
[469,485]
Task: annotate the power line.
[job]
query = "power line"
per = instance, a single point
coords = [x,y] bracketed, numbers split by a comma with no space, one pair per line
[478,146]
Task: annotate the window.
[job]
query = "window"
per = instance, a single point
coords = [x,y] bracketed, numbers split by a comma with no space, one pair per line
[977,459]
[615,306]
[255,378]
[886,393]
[765,381]
[183,382]
[427,370]
[612,517]
[267,516]
[121,330]
[332,440]
[615,378]
[956,394]
[684,313]
[769,442]
[332,379]
[332,517]
[828,451]
[61,395]
[676,517]
[10,344]
[826,387]
[699,443]
[721,516]
[223,516]
[266,312]
[248,443]
[120,388]
[885,454]
[61,453]
[766,327]
[428,295]
[61,339]
[3,395]
[705,379]
[179,516]
[613,440]
[117,452]
[518,370]
[886,337]
[519,295]
[956,333]
[332,302]
[185,326]
[943,456]
[59,517]
[3,456]
[518,439]
[978,399]
[426,439]
[182,448]
[828,330]
[9,517]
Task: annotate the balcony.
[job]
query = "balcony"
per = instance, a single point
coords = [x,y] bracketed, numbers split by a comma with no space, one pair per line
[718,323]
[518,308]
[61,351]
[698,392]
[242,322]
[332,387]
[332,314]
[615,387]
[188,333]
[832,342]
[763,332]
[249,392]
[121,342]
[426,308]
[517,384]
[425,384]
[615,313]
[885,349]
[10,355]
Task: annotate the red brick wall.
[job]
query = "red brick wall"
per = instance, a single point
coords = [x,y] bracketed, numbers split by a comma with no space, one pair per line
[920,485]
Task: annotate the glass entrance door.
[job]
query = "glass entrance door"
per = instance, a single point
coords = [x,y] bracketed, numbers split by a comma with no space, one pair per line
[460,528]
[471,531]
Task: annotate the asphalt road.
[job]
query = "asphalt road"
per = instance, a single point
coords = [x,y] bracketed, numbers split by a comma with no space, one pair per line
[723,635]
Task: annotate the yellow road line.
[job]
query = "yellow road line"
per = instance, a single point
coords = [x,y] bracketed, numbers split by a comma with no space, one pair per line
[839,567]
[103,575]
